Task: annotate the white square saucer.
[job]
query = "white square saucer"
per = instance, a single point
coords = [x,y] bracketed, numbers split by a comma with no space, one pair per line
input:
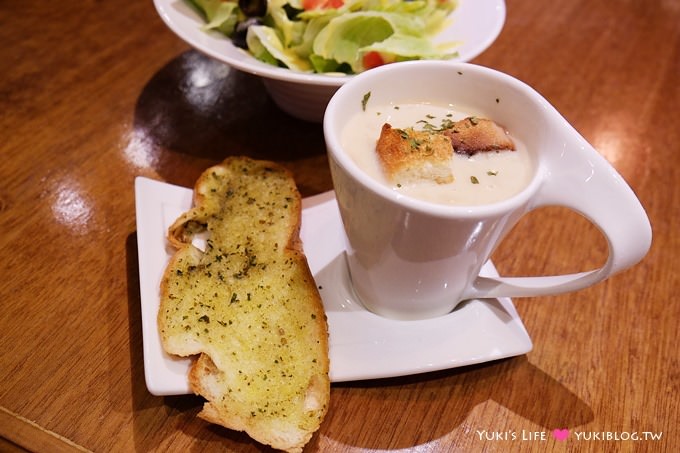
[362,345]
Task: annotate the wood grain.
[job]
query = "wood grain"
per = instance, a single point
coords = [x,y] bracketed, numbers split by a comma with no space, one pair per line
[94,94]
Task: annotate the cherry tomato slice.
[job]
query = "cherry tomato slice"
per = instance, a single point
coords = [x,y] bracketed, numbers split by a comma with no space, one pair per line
[372,60]
[322,4]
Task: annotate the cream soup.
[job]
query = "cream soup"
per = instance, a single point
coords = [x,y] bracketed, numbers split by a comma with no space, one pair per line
[485,177]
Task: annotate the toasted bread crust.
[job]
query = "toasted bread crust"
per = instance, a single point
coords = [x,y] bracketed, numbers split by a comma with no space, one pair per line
[473,135]
[248,305]
[408,155]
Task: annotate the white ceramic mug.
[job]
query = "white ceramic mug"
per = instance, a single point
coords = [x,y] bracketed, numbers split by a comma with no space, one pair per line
[412,259]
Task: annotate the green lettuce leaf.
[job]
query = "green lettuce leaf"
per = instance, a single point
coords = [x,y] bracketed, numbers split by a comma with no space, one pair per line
[264,42]
[220,16]
[345,35]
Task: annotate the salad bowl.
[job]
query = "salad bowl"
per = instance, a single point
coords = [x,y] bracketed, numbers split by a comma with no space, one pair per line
[473,26]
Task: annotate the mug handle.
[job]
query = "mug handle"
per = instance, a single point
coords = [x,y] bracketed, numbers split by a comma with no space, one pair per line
[588,184]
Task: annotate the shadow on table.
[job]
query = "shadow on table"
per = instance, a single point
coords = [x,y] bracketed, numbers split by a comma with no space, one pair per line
[195,111]
[440,402]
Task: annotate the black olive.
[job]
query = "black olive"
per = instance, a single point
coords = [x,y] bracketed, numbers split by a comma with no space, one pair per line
[253,8]
[238,38]
[292,13]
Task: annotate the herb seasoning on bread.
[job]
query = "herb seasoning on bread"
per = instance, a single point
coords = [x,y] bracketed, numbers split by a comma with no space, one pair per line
[247,305]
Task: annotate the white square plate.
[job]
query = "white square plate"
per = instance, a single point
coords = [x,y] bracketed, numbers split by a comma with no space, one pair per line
[362,345]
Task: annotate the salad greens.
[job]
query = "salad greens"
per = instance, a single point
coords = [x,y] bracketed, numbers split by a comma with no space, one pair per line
[344,36]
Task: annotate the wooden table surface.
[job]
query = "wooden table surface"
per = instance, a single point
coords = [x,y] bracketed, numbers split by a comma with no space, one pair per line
[94,94]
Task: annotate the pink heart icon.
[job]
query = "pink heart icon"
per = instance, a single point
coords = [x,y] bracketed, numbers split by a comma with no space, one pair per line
[560,434]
